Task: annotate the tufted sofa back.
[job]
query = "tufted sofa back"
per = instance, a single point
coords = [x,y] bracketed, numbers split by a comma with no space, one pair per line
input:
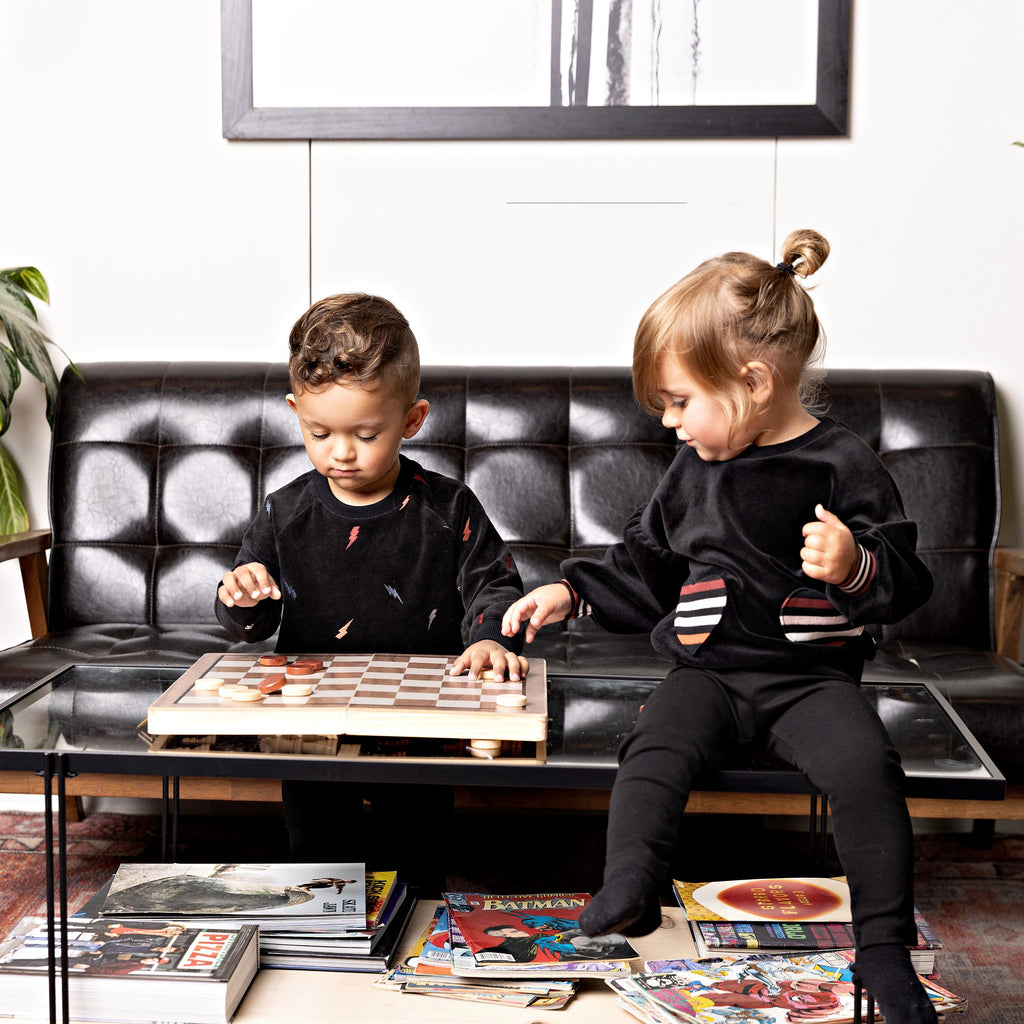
[157,469]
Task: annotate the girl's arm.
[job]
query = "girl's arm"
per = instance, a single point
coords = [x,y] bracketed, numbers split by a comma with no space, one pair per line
[637,581]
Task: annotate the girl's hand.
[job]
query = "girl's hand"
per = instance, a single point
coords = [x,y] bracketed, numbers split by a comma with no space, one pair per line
[550,603]
[247,585]
[490,654]
[829,553]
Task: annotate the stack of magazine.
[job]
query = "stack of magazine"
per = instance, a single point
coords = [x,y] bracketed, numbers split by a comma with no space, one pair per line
[120,970]
[781,915]
[521,950]
[311,916]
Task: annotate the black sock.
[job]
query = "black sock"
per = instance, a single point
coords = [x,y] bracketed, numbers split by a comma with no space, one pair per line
[627,903]
[888,975]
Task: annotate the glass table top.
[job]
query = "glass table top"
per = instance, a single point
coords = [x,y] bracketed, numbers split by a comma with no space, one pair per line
[91,714]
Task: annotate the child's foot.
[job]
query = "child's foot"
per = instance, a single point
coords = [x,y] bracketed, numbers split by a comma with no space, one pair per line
[626,904]
[888,975]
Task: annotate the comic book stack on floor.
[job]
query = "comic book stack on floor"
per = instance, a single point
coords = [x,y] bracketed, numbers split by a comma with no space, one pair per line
[515,950]
[781,915]
[757,987]
[311,916]
[769,949]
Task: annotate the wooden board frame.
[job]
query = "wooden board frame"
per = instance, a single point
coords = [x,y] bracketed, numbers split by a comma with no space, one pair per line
[217,716]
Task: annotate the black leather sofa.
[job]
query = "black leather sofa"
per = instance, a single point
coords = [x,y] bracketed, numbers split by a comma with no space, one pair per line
[158,467]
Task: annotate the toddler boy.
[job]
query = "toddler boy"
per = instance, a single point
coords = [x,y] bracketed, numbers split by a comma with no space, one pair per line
[368,551]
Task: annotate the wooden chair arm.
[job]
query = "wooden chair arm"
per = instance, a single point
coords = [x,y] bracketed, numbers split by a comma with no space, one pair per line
[1009,609]
[30,549]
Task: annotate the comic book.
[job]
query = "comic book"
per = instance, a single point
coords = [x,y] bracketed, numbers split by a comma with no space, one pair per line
[536,933]
[303,894]
[773,990]
[435,955]
[119,971]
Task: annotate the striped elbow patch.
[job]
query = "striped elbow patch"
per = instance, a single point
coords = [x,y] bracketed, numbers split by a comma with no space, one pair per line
[807,617]
[699,610]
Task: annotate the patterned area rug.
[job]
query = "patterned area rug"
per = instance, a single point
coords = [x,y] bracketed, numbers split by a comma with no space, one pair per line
[973,897]
[975,901]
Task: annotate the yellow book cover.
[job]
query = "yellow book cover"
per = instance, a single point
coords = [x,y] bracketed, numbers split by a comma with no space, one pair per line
[766,899]
[379,887]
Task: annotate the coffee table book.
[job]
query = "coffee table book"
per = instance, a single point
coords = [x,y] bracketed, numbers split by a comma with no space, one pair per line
[305,895]
[120,972]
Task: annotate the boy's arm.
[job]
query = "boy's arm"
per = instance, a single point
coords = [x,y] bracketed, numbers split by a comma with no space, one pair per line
[487,578]
[260,619]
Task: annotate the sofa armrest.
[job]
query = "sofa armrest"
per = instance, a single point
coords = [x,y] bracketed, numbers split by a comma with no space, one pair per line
[30,549]
[1009,610]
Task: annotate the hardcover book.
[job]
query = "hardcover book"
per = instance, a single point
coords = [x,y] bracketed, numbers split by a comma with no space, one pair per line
[784,915]
[119,971]
[249,893]
[766,899]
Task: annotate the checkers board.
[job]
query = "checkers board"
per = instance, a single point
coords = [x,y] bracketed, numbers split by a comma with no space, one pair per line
[355,695]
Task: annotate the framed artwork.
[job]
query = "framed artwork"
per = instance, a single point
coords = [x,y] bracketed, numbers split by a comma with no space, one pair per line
[534,69]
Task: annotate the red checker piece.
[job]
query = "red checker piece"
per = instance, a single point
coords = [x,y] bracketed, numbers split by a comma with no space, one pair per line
[273,660]
[272,683]
[304,668]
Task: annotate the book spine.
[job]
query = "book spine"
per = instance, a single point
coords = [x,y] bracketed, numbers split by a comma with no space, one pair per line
[773,935]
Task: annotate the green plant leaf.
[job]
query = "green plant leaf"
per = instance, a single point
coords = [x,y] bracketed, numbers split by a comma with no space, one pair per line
[29,344]
[13,299]
[10,379]
[29,279]
[13,517]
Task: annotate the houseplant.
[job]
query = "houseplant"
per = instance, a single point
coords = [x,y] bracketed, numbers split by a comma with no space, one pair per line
[26,347]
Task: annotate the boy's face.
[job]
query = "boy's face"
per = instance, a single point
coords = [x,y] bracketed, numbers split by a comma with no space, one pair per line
[352,436]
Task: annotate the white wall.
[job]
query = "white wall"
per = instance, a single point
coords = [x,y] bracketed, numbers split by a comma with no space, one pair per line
[161,240]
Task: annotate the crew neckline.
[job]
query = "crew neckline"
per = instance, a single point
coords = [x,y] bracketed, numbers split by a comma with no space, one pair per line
[388,503]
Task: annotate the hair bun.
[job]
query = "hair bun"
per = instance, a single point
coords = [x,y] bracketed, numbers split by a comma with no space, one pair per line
[805,251]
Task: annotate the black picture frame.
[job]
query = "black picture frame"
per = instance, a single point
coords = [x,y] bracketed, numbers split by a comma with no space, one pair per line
[827,116]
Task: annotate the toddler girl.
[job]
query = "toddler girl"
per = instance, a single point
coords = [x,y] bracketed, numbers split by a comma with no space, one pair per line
[773,539]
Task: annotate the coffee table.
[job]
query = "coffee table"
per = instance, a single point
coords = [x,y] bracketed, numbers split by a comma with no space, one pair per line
[68,727]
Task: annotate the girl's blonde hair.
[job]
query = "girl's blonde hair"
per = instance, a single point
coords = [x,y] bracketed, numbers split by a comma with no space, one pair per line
[729,311]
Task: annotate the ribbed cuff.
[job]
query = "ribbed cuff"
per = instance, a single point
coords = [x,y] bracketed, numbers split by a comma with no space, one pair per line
[863,572]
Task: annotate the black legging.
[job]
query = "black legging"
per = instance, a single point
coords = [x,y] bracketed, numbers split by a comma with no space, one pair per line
[822,725]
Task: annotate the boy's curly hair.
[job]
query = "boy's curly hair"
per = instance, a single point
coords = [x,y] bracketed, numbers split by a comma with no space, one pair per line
[354,338]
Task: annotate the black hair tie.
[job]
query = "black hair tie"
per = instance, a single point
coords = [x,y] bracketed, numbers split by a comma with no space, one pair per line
[786,268]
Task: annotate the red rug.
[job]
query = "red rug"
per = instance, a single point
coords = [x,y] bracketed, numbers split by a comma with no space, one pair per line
[974,898]
[96,846]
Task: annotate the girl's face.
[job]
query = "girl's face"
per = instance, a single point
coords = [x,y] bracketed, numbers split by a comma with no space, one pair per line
[697,415]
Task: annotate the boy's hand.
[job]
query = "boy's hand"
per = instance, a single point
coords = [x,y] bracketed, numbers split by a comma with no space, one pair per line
[490,654]
[829,553]
[550,603]
[247,585]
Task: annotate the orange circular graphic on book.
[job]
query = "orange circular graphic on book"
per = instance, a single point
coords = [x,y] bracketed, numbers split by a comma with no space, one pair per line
[774,899]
